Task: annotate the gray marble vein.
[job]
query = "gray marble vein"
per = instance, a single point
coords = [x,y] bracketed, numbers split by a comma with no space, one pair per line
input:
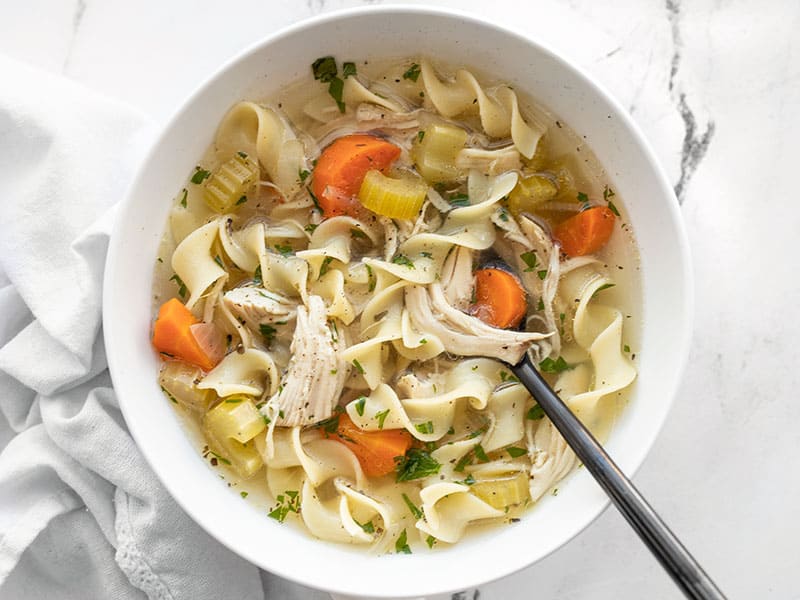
[695,144]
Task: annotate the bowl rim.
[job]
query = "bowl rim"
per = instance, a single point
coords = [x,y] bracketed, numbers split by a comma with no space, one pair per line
[682,251]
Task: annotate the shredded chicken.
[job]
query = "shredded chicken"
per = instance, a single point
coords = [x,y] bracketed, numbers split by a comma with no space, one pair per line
[257,307]
[461,333]
[314,379]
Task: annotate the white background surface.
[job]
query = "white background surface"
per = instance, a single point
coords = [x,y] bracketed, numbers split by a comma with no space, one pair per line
[715,86]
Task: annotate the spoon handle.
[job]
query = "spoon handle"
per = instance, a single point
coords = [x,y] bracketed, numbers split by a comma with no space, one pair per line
[665,546]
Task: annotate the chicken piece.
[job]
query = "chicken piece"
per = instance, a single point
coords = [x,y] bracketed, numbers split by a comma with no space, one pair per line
[463,334]
[314,379]
[489,162]
[256,307]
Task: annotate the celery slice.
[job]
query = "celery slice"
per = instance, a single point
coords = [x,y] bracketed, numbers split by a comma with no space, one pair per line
[230,182]
[395,198]
[230,428]
[178,380]
[503,492]
[435,152]
[529,193]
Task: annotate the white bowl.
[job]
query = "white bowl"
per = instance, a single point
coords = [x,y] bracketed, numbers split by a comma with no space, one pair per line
[372,33]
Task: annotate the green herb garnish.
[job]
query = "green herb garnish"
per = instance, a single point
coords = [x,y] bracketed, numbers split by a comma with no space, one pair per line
[360,403]
[218,260]
[559,365]
[421,135]
[381,416]
[303,174]
[412,72]
[459,200]
[416,464]
[348,69]
[613,208]
[357,233]
[288,502]
[284,250]
[605,286]
[324,69]
[401,545]
[358,366]
[424,428]
[200,175]
[401,259]
[243,494]
[268,331]
[480,453]
[582,197]
[430,540]
[516,452]
[241,200]
[257,278]
[310,227]
[184,195]
[181,286]
[542,274]
[529,258]
[325,266]
[415,511]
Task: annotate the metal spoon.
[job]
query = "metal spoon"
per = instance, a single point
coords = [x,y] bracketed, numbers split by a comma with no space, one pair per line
[665,546]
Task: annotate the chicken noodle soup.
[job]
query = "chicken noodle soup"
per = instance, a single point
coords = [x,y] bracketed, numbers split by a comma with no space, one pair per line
[346,277]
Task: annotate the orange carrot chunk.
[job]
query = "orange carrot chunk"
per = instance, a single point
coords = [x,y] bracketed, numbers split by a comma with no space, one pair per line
[342,166]
[172,335]
[499,298]
[586,232]
[375,450]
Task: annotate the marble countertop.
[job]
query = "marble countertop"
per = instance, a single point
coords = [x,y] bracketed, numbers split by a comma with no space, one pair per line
[715,86]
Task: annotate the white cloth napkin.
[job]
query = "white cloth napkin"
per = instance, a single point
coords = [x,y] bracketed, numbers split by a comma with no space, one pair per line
[81,514]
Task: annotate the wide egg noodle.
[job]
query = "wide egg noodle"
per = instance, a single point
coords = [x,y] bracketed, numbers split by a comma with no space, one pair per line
[499,111]
[262,132]
[244,373]
[193,263]
[242,246]
[449,508]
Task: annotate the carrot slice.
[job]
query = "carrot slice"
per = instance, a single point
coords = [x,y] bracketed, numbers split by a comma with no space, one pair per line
[341,169]
[375,450]
[499,298]
[586,232]
[172,335]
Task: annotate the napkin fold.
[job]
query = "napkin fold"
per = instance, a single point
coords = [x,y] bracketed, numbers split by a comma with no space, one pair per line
[81,514]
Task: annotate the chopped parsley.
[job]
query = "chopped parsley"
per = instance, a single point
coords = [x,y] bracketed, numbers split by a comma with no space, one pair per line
[459,200]
[529,258]
[402,259]
[303,174]
[181,286]
[613,208]
[540,306]
[503,216]
[516,452]
[421,135]
[626,348]
[310,227]
[469,480]
[218,260]
[360,403]
[200,175]
[284,250]
[268,331]
[583,197]
[542,274]
[559,365]
[401,544]
[348,69]
[243,494]
[334,331]
[605,286]
[184,195]
[424,428]
[507,377]
[415,511]
[426,254]
[463,462]
[241,200]
[480,453]
[416,464]
[325,70]
[373,281]
[535,413]
[608,193]
[329,425]
[325,266]
[412,72]
[381,416]
[357,233]
[358,366]
[430,540]
[257,277]
[288,502]
[368,527]
[233,400]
